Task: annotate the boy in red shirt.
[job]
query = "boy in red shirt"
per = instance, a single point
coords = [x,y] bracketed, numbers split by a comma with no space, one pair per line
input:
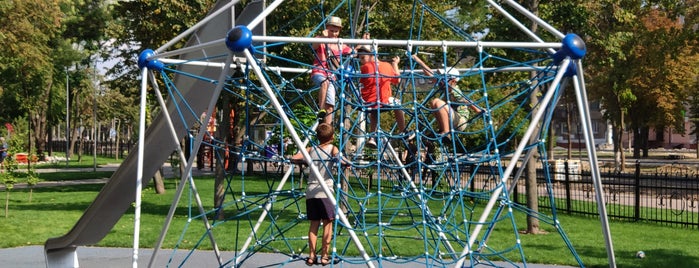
[376,89]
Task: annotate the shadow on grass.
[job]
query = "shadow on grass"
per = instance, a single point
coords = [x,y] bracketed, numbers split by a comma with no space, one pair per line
[69,188]
[596,257]
[658,258]
[70,176]
[43,206]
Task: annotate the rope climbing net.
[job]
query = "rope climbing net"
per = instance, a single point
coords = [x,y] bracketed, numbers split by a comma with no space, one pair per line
[425,196]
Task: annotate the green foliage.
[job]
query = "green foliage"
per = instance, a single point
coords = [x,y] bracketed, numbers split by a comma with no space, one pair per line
[305,116]
[137,25]
[32,178]
[8,179]
[17,141]
[26,27]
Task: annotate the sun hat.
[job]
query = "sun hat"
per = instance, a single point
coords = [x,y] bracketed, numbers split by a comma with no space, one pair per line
[364,49]
[453,73]
[334,21]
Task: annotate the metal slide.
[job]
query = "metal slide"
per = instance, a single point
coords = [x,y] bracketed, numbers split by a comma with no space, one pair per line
[118,193]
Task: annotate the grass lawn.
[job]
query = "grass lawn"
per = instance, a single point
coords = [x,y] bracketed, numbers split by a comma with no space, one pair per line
[86,161]
[53,211]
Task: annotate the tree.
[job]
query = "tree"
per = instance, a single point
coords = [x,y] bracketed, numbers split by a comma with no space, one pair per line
[84,30]
[660,78]
[629,72]
[531,165]
[28,28]
[610,34]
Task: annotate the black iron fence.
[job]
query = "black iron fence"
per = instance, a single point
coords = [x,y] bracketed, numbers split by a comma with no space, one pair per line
[104,148]
[666,197]
[669,198]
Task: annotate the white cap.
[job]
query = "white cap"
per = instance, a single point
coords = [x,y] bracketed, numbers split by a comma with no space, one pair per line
[453,73]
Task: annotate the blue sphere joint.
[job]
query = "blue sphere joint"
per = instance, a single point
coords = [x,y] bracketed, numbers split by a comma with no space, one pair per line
[572,46]
[155,65]
[144,62]
[575,46]
[143,57]
[239,38]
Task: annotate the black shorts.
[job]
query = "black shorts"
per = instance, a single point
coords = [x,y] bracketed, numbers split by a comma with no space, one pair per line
[319,209]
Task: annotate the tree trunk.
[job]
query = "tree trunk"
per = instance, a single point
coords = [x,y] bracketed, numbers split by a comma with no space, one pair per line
[532,195]
[80,147]
[645,131]
[39,123]
[617,138]
[219,191]
[636,143]
[531,185]
[39,132]
[220,180]
[551,141]
[618,147]
[158,182]
[622,152]
[118,135]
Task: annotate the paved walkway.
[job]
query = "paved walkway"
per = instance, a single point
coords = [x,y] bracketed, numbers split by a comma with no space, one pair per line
[33,256]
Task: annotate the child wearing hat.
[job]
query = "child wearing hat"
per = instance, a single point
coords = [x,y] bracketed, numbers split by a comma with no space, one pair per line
[326,58]
[458,110]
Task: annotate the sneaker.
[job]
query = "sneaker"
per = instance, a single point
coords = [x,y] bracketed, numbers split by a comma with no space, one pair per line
[321,114]
[446,139]
[409,135]
[371,143]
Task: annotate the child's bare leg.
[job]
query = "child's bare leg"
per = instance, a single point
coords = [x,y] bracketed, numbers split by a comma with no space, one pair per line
[329,114]
[442,115]
[312,237]
[400,119]
[322,94]
[327,237]
[373,124]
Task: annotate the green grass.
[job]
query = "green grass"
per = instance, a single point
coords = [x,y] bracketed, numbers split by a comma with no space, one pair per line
[53,212]
[68,176]
[86,161]
[626,212]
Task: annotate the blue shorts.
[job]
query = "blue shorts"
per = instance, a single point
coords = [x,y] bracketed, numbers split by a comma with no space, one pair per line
[330,94]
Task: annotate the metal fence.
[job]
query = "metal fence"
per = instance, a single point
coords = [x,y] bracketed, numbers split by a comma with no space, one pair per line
[662,197]
[668,198]
[104,148]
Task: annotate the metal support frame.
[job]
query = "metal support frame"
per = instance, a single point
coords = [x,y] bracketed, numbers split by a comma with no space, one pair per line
[69,255]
